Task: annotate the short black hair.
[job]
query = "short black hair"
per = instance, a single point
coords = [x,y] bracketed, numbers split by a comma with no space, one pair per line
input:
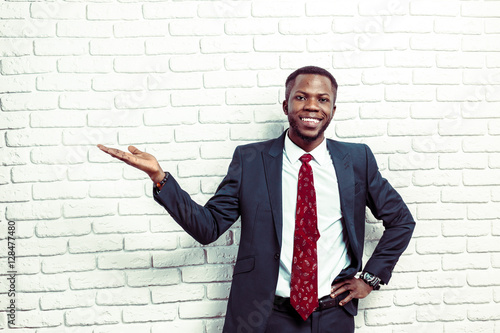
[290,81]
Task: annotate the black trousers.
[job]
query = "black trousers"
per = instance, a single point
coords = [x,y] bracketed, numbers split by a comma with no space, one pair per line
[332,320]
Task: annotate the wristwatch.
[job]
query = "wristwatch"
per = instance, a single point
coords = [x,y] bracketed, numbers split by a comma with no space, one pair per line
[371,280]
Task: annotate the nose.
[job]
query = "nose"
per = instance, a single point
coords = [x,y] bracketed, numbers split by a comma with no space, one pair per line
[311,105]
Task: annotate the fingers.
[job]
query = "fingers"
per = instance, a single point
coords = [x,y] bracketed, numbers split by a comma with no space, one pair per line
[116,153]
[134,150]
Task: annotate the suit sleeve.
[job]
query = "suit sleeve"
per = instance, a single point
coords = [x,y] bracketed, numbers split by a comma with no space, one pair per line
[205,223]
[386,205]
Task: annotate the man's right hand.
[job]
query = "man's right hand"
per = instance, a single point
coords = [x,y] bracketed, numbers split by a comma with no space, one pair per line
[138,159]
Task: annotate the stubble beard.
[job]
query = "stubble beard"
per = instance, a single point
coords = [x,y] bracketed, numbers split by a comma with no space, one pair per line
[306,138]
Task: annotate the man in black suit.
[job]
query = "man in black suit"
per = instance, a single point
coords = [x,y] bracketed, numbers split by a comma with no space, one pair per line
[284,279]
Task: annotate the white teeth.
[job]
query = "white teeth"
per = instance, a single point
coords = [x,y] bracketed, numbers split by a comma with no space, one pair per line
[312,120]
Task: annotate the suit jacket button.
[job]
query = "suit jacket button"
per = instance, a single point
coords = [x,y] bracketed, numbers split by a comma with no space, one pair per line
[277,256]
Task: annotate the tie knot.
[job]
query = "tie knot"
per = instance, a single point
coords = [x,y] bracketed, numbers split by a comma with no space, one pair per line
[306,158]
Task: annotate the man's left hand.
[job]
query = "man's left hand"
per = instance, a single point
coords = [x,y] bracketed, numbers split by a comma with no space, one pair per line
[357,289]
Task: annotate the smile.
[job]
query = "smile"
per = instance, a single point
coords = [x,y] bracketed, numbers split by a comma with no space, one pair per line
[310,120]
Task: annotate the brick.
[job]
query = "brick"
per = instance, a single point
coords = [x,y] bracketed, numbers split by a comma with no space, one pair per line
[232,115]
[33,211]
[469,327]
[442,76]
[483,245]
[330,8]
[149,242]
[241,96]
[95,243]
[172,45]
[480,145]
[202,309]
[222,255]
[460,26]
[17,84]
[39,319]
[123,260]
[176,81]
[141,64]
[62,228]
[15,193]
[14,156]
[413,128]
[421,263]
[224,9]
[141,314]
[381,8]
[196,27]
[107,225]
[53,119]
[84,101]
[345,43]
[41,283]
[15,47]
[186,241]
[463,161]
[251,61]
[494,127]
[432,313]
[382,42]
[460,60]
[462,127]
[419,195]
[73,263]
[118,11]
[115,189]
[440,212]
[33,137]
[413,161]
[84,29]
[378,317]
[169,10]
[486,312]
[122,46]
[209,273]
[180,292]
[433,8]
[305,26]
[464,195]
[481,177]
[440,246]
[145,135]
[67,300]
[91,208]
[482,278]
[278,9]
[291,62]
[484,211]
[410,59]
[494,161]
[386,76]
[487,9]
[436,144]
[226,44]
[435,43]
[210,132]
[60,47]
[403,93]
[251,26]
[448,279]
[283,44]
[465,228]
[491,26]
[271,78]
[421,297]
[140,29]
[140,207]
[13,10]
[179,258]
[196,63]
[87,316]
[453,262]
[458,94]
[85,64]
[27,65]
[480,43]
[62,82]
[155,277]
[179,326]
[218,290]
[123,296]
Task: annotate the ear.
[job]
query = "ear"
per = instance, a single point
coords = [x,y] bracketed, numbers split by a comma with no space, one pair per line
[333,110]
[285,107]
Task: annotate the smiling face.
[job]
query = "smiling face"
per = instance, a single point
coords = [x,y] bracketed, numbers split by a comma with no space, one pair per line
[310,108]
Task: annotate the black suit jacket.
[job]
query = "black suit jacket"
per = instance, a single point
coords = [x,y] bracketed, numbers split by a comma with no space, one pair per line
[252,189]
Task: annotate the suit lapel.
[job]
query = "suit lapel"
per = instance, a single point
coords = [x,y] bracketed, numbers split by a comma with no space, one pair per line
[273,164]
[345,176]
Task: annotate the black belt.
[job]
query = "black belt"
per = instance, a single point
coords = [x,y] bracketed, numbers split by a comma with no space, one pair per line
[325,302]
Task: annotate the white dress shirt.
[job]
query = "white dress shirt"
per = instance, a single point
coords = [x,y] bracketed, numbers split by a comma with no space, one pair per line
[331,246]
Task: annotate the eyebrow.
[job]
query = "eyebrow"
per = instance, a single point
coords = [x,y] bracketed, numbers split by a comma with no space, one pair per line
[305,93]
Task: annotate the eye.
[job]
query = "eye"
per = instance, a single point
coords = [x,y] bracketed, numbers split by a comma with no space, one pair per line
[300,98]
[324,100]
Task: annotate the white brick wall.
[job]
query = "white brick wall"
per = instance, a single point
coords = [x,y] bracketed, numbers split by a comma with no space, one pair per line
[190,80]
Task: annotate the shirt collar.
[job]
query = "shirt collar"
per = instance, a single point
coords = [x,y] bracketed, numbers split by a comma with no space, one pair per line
[294,152]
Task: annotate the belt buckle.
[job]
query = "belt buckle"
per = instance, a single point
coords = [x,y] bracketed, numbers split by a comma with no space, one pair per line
[327,303]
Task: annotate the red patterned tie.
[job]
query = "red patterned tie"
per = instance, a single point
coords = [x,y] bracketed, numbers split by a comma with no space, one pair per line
[304,281]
